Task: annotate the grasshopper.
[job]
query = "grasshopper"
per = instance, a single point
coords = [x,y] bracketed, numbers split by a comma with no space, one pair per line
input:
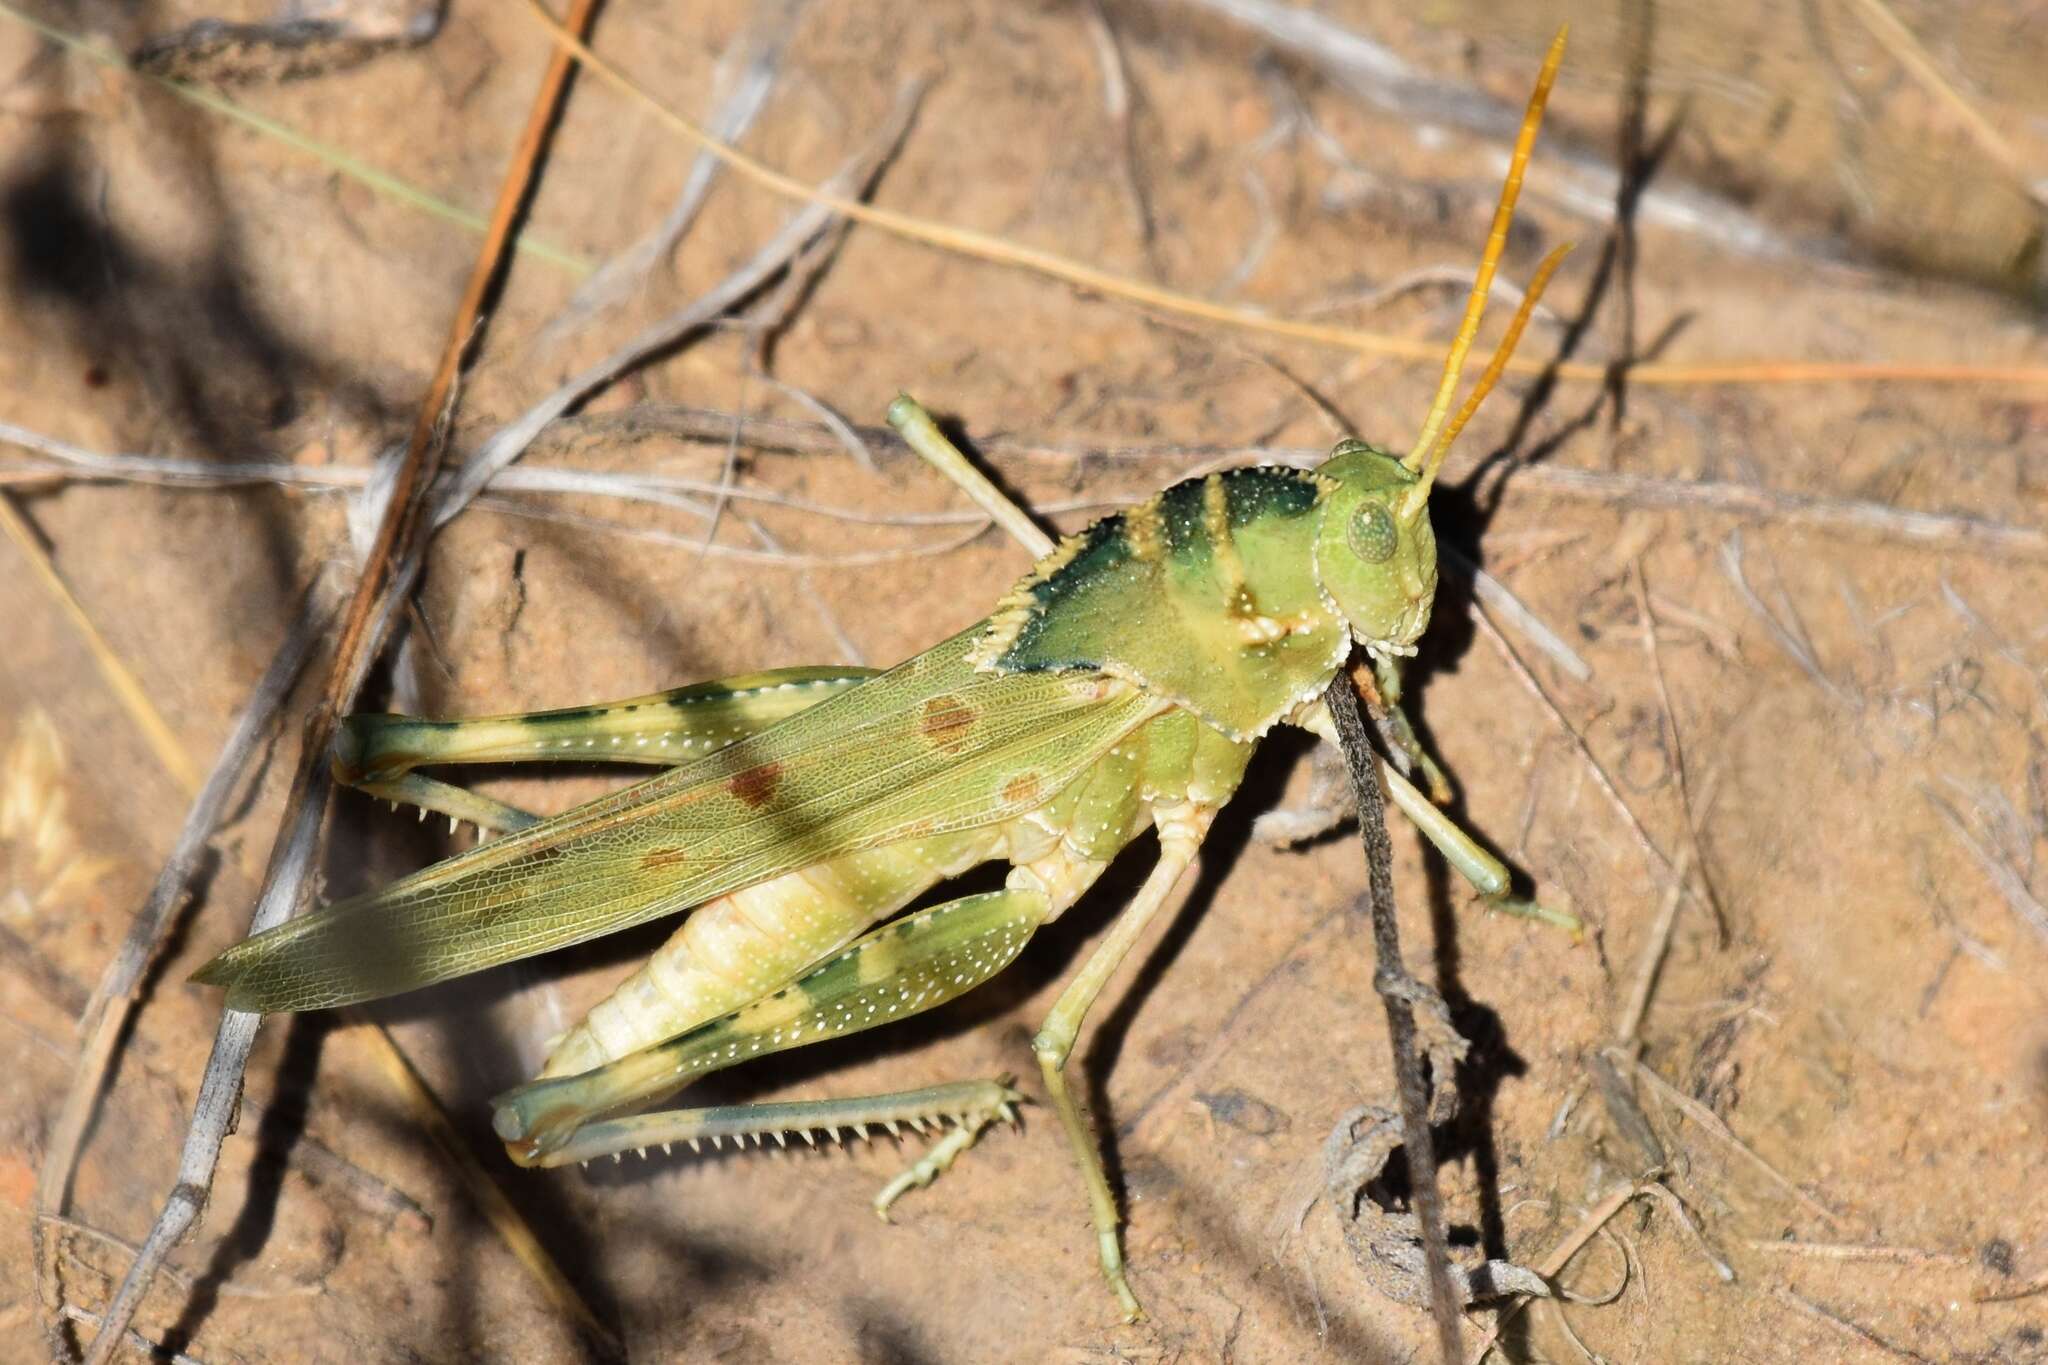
[1122,684]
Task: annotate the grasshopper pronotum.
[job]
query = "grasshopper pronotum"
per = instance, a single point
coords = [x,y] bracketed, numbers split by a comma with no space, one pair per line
[1122,684]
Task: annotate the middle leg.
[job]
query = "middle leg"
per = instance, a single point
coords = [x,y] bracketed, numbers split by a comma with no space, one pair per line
[1180,835]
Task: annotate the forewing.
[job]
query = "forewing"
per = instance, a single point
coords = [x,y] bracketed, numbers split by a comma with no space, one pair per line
[932,745]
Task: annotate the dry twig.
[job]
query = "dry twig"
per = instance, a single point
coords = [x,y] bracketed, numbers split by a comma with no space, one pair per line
[106,1015]
[2011,887]
[387,573]
[510,441]
[119,677]
[1551,1266]
[1853,1331]
[1897,39]
[1398,991]
[1712,1122]
[1860,1251]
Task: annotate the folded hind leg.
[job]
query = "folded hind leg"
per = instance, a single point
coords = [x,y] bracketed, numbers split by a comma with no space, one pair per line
[900,969]
[969,1106]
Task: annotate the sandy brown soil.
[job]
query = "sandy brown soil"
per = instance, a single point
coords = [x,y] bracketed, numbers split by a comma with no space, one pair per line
[1855,992]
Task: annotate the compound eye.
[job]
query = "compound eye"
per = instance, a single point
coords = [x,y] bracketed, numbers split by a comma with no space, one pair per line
[1373,535]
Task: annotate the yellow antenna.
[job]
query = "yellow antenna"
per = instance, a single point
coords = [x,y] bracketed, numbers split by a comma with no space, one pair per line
[1496,243]
[1418,497]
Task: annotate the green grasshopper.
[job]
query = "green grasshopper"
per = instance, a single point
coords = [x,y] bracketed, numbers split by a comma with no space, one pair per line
[1123,683]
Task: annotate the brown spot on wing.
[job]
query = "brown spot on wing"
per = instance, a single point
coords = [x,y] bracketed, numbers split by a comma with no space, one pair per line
[656,858]
[946,722]
[1025,789]
[755,786]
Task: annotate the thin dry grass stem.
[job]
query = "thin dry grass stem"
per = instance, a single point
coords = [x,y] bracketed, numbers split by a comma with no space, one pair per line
[849,439]
[648,488]
[728,479]
[65,463]
[740,86]
[1565,1108]
[1606,784]
[108,1239]
[1859,1251]
[1551,1266]
[799,279]
[1885,26]
[1790,637]
[2024,1290]
[1835,516]
[1265,232]
[1720,638]
[151,1350]
[1712,1122]
[1422,277]
[1378,75]
[1618,1099]
[389,566]
[1654,948]
[1555,1311]
[1565,1295]
[1840,516]
[2004,877]
[1335,423]
[2001,648]
[1668,1197]
[1961,944]
[764,321]
[511,441]
[1121,108]
[105,1020]
[120,679]
[997,250]
[771,558]
[1841,1326]
[1694,813]
[1496,596]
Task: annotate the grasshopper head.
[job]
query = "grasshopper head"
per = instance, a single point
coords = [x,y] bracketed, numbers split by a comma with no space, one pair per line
[1375,554]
